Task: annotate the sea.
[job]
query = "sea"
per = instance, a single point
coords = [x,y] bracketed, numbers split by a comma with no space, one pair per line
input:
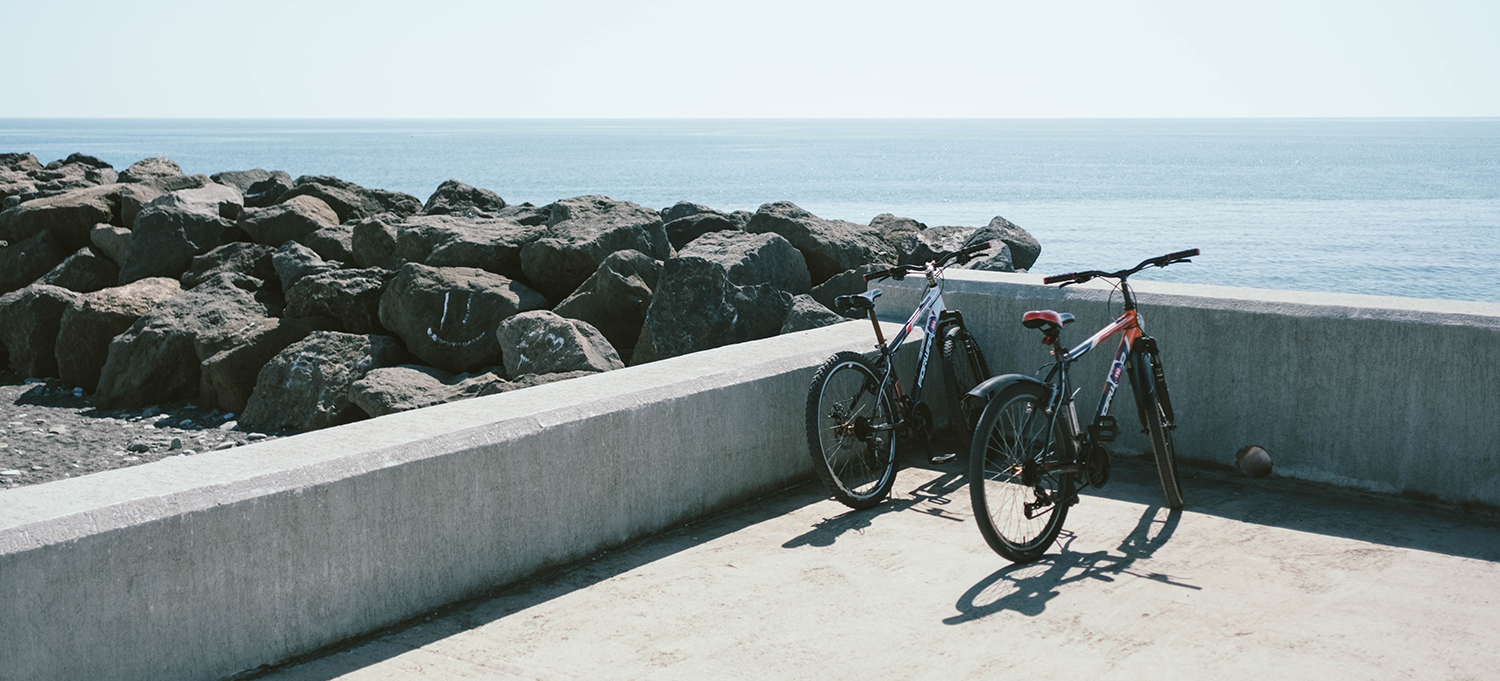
[1398,207]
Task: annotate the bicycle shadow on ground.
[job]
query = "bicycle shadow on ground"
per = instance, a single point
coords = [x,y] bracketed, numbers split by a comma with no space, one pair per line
[933,498]
[1026,589]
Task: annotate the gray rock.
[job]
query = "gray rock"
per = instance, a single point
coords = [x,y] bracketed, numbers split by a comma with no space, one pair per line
[351,201]
[581,233]
[113,242]
[290,220]
[541,342]
[151,168]
[751,259]
[243,180]
[23,263]
[335,242]
[490,244]
[228,376]
[293,261]
[903,235]
[373,242]
[352,297]
[830,246]
[267,192]
[29,319]
[209,200]
[85,271]
[843,284]
[615,298]
[526,214]
[695,307]
[447,315]
[94,319]
[1024,248]
[240,257]
[166,238]
[454,196]
[683,230]
[158,358]
[388,390]
[807,313]
[70,216]
[306,386]
[683,209]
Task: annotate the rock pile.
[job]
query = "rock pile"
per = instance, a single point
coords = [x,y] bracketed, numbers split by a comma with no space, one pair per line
[311,302]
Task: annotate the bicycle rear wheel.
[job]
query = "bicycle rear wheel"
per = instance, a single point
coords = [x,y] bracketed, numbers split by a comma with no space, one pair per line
[963,368]
[1161,433]
[851,431]
[1019,497]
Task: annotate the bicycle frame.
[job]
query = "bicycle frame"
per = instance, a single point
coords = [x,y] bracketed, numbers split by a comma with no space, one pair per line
[932,308]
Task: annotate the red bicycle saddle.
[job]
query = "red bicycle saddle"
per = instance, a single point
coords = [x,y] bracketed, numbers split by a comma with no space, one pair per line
[1037,319]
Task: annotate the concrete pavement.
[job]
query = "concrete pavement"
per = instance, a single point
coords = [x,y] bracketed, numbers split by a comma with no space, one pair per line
[1253,580]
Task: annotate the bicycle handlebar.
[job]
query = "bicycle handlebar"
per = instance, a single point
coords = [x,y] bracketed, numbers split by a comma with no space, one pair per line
[961,256]
[1158,261]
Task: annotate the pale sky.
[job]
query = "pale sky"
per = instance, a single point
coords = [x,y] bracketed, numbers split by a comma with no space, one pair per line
[767,58]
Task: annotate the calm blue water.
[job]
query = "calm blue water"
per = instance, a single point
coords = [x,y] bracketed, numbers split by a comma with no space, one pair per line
[1390,207]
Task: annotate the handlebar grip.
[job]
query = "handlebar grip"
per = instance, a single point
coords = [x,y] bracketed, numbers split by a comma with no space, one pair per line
[1060,278]
[1182,254]
[898,273]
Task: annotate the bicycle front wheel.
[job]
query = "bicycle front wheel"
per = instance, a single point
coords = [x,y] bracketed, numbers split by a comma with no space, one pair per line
[851,431]
[1019,493]
[1161,434]
[963,368]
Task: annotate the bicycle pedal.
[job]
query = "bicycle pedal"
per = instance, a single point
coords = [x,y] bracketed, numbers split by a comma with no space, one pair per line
[943,458]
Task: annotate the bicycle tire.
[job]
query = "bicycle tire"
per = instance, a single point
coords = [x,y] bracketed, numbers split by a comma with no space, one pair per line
[963,368]
[851,430]
[1018,504]
[1162,448]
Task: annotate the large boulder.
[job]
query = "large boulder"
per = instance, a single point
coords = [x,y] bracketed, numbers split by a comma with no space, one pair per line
[902,235]
[158,358]
[373,242]
[684,230]
[351,201]
[294,261]
[696,307]
[541,342]
[456,197]
[243,180]
[751,259]
[22,263]
[581,233]
[244,258]
[70,216]
[306,386]
[830,246]
[113,242]
[85,271]
[683,209]
[843,284]
[447,315]
[491,244]
[526,214]
[807,313]
[615,298]
[290,220]
[352,297]
[166,237]
[93,320]
[29,319]
[228,377]
[148,169]
[210,199]
[1024,248]
[334,242]
[267,192]
[388,390]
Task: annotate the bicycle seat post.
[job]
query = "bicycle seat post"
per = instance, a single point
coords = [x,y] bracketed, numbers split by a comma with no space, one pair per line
[879,337]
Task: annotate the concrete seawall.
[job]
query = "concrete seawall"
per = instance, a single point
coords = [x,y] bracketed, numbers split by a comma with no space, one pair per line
[209,565]
[1386,394]
[205,566]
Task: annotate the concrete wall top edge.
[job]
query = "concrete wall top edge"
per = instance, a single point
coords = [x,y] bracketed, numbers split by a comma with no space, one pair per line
[1267,301]
[67,509]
